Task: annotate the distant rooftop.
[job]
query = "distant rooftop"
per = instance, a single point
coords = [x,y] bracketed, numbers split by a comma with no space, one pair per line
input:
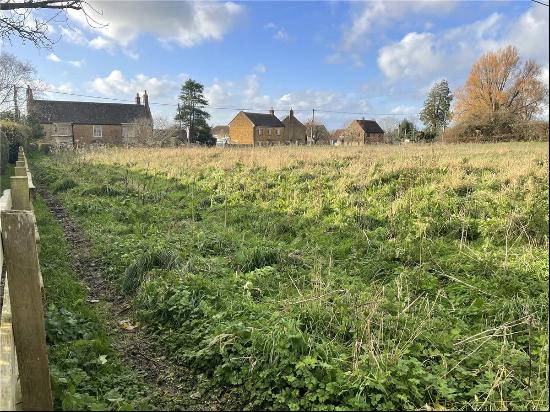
[56,111]
[263,119]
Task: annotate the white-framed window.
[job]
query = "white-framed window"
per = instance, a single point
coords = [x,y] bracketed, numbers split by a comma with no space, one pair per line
[128,130]
[260,131]
[61,129]
[278,131]
[98,131]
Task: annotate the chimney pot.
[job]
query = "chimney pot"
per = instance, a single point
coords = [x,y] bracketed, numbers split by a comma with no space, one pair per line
[138,99]
[145,98]
[272,112]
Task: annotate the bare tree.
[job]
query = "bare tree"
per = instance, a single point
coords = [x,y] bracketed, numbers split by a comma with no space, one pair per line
[18,18]
[390,125]
[14,73]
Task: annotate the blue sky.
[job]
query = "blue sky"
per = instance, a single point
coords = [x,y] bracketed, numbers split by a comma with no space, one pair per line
[374,58]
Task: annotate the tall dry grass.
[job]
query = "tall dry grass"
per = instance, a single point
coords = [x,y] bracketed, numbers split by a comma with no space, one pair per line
[508,160]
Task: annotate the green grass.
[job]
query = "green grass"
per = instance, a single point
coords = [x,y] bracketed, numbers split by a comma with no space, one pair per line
[331,284]
[86,372]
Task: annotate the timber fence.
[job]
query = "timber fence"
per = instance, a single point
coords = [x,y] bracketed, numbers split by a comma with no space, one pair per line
[24,371]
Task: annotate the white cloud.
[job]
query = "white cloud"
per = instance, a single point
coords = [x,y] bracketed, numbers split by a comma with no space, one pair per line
[404,110]
[74,36]
[217,94]
[52,57]
[100,42]
[282,35]
[117,85]
[280,32]
[185,23]
[421,56]
[529,31]
[413,56]
[260,68]
[76,63]
[369,18]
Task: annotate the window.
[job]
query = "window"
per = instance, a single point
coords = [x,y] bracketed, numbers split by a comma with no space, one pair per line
[269,132]
[98,131]
[278,132]
[61,129]
[260,131]
[128,130]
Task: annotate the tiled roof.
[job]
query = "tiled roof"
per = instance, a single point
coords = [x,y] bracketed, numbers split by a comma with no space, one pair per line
[261,119]
[294,117]
[370,126]
[52,111]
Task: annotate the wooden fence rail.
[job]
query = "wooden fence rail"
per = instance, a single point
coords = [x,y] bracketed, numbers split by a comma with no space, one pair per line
[24,372]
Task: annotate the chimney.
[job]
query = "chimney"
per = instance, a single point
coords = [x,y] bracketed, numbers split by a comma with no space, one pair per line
[138,99]
[145,99]
[29,99]
[272,112]
[291,113]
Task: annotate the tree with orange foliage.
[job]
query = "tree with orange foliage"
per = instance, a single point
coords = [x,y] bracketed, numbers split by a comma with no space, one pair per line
[499,84]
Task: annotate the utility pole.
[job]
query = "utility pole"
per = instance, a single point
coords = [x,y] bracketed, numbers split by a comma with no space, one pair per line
[312,125]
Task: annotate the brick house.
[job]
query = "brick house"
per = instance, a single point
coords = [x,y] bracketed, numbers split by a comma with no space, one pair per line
[360,132]
[256,129]
[295,131]
[81,124]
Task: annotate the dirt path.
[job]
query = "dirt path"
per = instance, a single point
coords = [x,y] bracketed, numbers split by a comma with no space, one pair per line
[177,386]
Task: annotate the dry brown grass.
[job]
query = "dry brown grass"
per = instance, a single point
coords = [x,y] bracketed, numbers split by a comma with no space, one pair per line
[508,160]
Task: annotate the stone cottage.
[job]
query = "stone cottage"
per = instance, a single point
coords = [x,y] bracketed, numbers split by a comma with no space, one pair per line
[82,124]
[360,132]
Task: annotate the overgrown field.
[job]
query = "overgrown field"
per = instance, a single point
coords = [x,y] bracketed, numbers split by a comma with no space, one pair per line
[331,278]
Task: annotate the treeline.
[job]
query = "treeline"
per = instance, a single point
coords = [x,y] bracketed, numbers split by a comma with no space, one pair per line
[500,101]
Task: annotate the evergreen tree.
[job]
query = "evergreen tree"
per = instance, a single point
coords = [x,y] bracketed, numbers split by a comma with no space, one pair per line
[191,111]
[406,130]
[436,113]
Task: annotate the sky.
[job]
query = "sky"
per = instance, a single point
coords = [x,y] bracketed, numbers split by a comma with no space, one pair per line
[375,59]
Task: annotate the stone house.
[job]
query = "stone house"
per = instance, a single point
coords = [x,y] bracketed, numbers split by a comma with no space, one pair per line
[295,130]
[360,132]
[256,129]
[82,124]
[317,133]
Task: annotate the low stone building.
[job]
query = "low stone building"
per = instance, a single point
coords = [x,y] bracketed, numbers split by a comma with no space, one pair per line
[360,132]
[256,129]
[81,124]
[295,131]
[337,136]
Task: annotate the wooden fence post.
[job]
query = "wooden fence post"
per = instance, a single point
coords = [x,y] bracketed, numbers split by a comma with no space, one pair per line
[20,195]
[29,334]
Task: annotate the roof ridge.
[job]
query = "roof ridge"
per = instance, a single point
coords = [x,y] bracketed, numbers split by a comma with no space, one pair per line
[79,101]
